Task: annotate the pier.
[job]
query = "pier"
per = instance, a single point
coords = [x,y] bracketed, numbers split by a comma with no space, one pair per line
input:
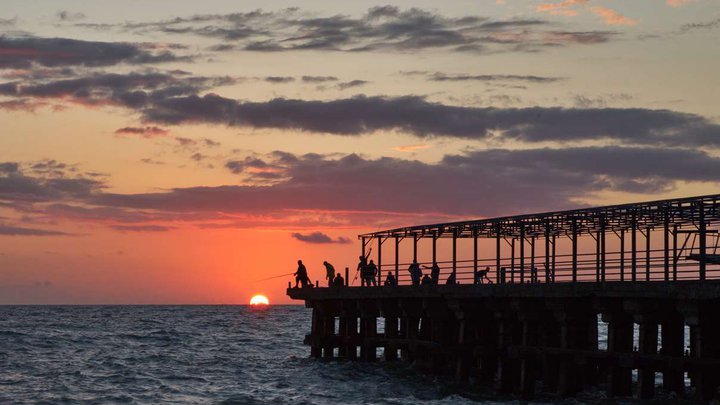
[646,273]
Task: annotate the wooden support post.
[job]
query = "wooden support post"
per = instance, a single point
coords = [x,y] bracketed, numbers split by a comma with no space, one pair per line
[622,255]
[497,254]
[602,249]
[512,260]
[391,331]
[397,259]
[666,243]
[315,333]
[379,263]
[648,345]
[522,253]
[675,254]
[509,334]
[673,342]
[547,251]
[574,249]
[620,343]
[475,252]
[533,270]
[434,246]
[647,253]
[415,241]
[342,332]
[633,247]
[702,239]
[328,333]
[454,253]
[351,335]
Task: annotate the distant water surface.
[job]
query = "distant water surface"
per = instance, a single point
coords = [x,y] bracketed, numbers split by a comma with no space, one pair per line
[195,354]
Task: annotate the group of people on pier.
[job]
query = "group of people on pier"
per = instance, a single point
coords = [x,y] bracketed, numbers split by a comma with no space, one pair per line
[368,272]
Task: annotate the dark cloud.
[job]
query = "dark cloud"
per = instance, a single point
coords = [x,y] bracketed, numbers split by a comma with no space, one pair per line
[318,238]
[380,28]
[24,52]
[279,79]
[415,115]
[7,230]
[442,77]
[319,79]
[44,181]
[352,83]
[709,25]
[8,22]
[69,16]
[481,183]
[143,132]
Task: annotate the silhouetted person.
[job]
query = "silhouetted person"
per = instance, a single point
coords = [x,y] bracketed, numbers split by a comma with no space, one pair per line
[415,273]
[451,280]
[338,281]
[370,274]
[426,280]
[301,276]
[434,272]
[329,272]
[362,268]
[480,275]
[390,280]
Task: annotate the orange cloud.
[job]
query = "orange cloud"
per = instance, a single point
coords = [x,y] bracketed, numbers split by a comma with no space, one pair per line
[612,17]
[562,8]
[678,3]
[411,148]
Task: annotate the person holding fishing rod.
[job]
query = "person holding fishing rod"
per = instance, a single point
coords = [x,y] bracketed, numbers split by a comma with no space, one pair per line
[362,269]
[301,276]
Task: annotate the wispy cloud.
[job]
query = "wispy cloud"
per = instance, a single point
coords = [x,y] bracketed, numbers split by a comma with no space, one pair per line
[143,132]
[318,238]
[612,17]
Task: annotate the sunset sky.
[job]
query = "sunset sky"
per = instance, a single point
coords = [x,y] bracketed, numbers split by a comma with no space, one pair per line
[179,151]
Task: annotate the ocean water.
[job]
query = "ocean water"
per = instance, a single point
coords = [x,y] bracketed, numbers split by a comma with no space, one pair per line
[203,355]
[192,354]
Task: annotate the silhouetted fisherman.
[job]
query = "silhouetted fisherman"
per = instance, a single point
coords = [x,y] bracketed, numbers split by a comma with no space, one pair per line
[390,280]
[434,272]
[301,276]
[426,280]
[329,272]
[480,275]
[451,280]
[415,273]
[370,274]
[362,268]
[338,281]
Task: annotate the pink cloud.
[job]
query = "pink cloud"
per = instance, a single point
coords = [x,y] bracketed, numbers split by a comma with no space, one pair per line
[678,3]
[562,8]
[612,17]
[143,132]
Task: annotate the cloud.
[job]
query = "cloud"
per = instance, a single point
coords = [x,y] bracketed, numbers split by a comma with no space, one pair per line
[24,52]
[319,79]
[701,26]
[143,132]
[279,79]
[8,22]
[69,16]
[7,230]
[142,228]
[561,8]
[612,17]
[411,148]
[385,28]
[318,238]
[417,116]
[678,3]
[352,83]
[442,77]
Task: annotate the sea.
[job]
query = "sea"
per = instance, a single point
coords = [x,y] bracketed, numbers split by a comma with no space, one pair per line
[200,355]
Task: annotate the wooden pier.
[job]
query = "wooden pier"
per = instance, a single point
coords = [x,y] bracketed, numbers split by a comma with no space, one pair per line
[536,328]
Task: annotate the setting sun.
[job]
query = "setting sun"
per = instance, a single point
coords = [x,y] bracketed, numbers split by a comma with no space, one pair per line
[259,300]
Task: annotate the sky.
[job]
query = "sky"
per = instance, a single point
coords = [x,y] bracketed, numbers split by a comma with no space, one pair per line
[179,152]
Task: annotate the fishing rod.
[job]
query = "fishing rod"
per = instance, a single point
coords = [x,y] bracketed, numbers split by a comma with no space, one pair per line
[270,278]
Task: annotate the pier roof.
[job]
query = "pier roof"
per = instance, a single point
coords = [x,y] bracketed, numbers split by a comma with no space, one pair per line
[614,218]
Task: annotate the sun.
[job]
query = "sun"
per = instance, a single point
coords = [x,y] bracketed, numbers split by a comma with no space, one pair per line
[259,300]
